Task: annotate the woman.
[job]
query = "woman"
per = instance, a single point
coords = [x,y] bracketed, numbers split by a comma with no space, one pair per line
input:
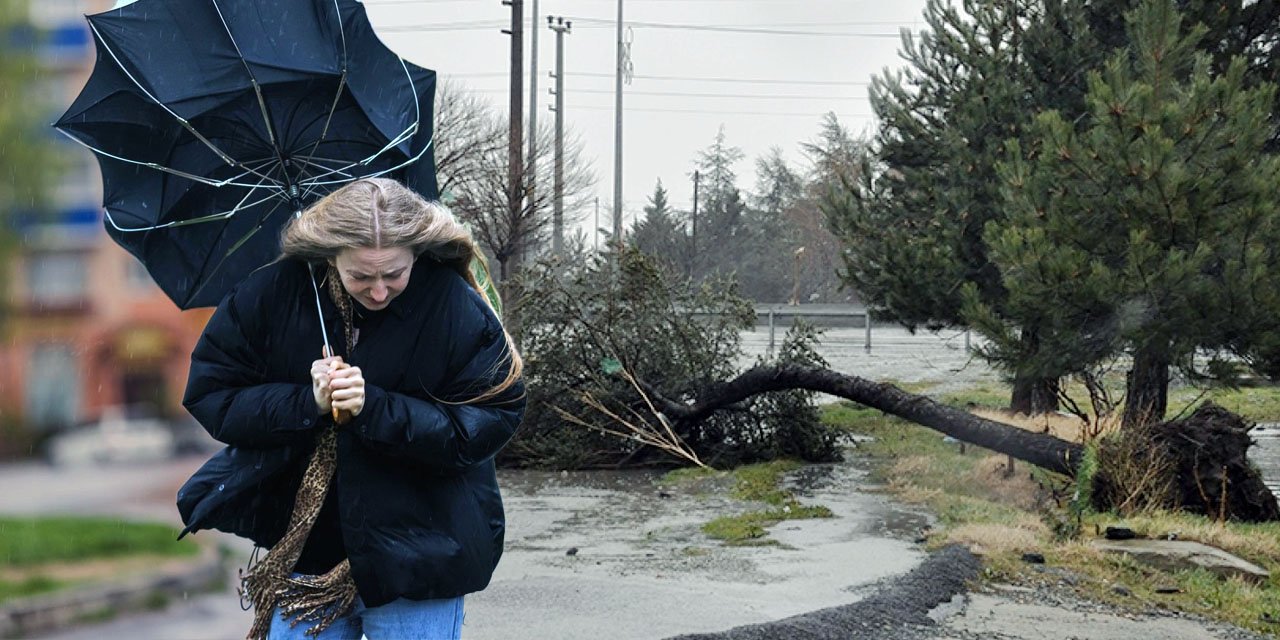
[368,472]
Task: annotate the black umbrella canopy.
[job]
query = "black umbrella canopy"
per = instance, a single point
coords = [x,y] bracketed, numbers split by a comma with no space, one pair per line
[214,121]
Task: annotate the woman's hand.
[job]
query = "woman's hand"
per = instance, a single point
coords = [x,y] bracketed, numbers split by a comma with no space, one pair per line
[347,390]
[321,370]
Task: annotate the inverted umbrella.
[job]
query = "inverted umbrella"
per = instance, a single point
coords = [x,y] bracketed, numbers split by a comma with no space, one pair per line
[215,121]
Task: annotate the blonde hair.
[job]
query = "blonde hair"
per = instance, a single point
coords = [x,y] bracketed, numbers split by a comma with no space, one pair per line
[381,213]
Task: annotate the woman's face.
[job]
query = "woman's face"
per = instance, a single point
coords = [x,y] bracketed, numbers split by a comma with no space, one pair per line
[374,277]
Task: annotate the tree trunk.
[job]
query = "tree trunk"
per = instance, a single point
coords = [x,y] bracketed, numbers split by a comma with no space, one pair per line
[1199,463]
[1034,395]
[1147,388]
[1039,449]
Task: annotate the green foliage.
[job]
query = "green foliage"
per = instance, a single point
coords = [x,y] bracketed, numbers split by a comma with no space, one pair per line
[28,159]
[30,586]
[673,337]
[1148,226]
[32,541]
[734,240]
[918,219]
[26,162]
[772,242]
[660,233]
[762,483]
[912,217]
[791,424]
[1082,498]
[750,529]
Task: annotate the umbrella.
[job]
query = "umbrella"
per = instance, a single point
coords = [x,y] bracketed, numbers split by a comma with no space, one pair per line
[214,121]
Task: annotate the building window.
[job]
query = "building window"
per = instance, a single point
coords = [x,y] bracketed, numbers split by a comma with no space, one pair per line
[53,387]
[57,278]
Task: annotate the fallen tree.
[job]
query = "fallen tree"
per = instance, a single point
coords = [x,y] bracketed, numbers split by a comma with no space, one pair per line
[1042,450]
[1196,464]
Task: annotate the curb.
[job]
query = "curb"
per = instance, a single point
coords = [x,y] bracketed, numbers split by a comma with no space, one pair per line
[899,604]
[37,614]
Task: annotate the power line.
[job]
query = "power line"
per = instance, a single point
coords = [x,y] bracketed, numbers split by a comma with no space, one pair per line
[721,112]
[476,25]
[724,29]
[598,22]
[642,1]
[412,1]
[749,81]
[685,94]
[589,74]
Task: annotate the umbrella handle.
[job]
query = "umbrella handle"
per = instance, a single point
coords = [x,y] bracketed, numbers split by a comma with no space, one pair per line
[340,416]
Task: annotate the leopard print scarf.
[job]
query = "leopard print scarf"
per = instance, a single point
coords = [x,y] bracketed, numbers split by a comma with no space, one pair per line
[268,584]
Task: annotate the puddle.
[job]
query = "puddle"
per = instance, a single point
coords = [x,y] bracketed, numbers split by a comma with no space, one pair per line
[1265,454]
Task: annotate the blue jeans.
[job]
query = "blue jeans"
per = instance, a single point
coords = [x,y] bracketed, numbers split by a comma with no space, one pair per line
[399,620]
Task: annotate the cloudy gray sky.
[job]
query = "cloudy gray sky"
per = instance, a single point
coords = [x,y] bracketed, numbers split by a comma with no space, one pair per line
[767,70]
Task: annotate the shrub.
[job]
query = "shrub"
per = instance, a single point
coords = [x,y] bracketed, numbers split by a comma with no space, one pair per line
[585,327]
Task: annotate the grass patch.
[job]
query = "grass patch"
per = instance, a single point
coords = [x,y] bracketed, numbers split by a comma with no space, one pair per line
[685,475]
[1001,516]
[985,395]
[1260,404]
[750,529]
[32,586]
[33,541]
[756,483]
[761,481]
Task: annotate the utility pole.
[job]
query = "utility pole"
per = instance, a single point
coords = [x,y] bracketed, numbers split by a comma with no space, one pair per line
[532,163]
[515,133]
[561,27]
[693,252]
[596,232]
[617,137]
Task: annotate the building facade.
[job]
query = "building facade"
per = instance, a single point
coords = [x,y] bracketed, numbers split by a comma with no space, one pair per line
[88,332]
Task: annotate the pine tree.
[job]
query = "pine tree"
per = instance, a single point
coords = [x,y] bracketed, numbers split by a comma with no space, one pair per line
[912,217]
[660,233]
[834,157]
[720,209]
[1148,228]
[778,187]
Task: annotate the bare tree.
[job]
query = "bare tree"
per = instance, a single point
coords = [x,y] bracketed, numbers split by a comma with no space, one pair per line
[466,130]
[471,161]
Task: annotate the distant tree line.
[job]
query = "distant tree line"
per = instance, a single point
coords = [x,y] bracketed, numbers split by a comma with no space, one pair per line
[773,240]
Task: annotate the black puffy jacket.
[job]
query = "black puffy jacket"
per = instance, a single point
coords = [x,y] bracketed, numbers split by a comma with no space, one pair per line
[417,504]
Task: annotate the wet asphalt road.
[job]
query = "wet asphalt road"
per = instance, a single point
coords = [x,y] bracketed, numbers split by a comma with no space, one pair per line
[642,569]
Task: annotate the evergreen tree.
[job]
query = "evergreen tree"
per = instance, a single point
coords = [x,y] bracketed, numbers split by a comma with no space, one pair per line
[1146,229]
[660,233]
[778,187]
[720,208]
[834,158]
[912,217]
[914,220]
[749,244]
[836,155]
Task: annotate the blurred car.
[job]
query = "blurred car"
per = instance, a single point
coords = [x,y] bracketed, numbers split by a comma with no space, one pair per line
[121,435]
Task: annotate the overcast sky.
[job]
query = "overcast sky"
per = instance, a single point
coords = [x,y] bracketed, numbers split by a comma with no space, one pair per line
[814,56]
